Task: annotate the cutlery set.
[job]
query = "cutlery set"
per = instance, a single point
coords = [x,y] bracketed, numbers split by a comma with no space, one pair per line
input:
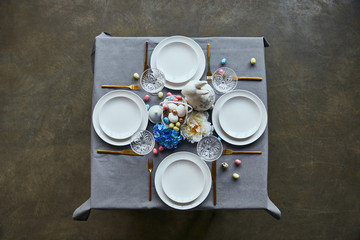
[209,77]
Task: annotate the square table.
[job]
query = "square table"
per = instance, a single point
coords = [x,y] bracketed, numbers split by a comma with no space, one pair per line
[121,181]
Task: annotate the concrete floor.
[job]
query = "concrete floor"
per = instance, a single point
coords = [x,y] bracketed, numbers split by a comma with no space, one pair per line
[313,94]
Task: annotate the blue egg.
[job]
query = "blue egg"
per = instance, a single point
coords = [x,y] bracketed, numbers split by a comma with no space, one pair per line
[166,120]
[219,139]
[147,106]
[171,98]
[223,61]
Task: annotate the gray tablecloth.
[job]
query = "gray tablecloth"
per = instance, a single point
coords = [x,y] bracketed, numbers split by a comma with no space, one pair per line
[121,182]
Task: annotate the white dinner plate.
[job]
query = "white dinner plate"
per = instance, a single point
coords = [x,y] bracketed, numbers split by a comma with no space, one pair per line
[178,61]
[116,94]
[120,117]
[240,117]
[182,156]
[182,180]
[219,106]
[180,42]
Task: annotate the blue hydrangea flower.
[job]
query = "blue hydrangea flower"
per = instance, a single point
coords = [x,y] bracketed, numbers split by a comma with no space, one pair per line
[165,136]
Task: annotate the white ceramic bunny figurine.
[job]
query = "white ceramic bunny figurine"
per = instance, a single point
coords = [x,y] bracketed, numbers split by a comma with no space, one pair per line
[199,94]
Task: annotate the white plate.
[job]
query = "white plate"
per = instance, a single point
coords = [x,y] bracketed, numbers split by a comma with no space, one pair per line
[189,157]
[240,117]
[114,94]
[178,61]
[187,41]
[182,181]
[120,117]
[218,107]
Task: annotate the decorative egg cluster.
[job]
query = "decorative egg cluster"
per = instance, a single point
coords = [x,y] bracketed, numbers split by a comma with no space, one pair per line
[174,111]
[226,166]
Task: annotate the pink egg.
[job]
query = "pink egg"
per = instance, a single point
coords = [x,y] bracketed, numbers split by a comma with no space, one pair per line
[237,162]
[175,100]
[166,107]
[161,148]
[147,97]
[155,151]
[168,94]
[179,97]
[221,71]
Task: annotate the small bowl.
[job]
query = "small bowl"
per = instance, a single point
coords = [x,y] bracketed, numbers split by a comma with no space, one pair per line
[152,80]
[209,148]
[142,142]
[224,80]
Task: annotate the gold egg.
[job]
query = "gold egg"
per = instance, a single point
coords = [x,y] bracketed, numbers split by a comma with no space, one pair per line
[181,120]
[174,111]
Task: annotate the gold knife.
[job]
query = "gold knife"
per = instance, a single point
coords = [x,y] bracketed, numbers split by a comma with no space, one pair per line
[126,152]
[213,176]
[146,66]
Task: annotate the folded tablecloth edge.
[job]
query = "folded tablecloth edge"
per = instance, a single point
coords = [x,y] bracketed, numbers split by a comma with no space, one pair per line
[82,212]
[272,209]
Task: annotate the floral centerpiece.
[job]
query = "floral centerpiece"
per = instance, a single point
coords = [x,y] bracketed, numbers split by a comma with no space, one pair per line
[167,137]
[197,126]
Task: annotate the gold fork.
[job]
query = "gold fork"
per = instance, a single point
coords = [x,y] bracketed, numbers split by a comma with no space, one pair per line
[132,87]
[208,74]
[150,167]
[126,152]
[229,151]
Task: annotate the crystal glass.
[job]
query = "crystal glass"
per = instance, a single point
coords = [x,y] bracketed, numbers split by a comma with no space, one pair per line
[142,142]
[224,80]
[209,148]
[152,80]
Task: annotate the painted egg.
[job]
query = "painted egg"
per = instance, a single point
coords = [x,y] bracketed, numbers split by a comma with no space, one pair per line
[172,106]
[166,120]
[236,176]
[160,94]
[155,151]
[168,94]
[171,125]
[253,61]
[173,118]
[223,61]
[181,111]
[176,128]
[136,76]
[224,165]
[237,162]
[161,148]
[179,97]
[165,107]
[147,97]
